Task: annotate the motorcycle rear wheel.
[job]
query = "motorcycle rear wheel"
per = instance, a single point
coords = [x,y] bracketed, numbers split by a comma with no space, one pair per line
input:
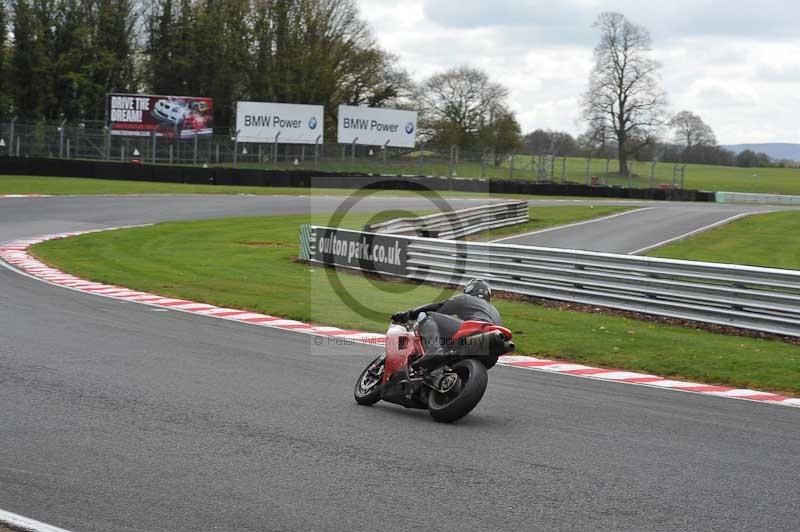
[368,386]
[454,405]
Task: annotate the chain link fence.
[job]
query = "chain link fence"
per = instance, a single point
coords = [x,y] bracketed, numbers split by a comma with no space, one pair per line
[94,142]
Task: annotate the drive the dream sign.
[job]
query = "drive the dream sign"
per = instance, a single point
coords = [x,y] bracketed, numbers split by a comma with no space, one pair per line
[377,127]
[290,123]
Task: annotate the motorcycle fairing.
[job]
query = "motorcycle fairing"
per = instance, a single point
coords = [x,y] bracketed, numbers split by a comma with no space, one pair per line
[469,328]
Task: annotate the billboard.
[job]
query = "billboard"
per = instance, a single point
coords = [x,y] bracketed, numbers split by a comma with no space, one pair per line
[376,127]
[289,123]
[138,115]
[363,251]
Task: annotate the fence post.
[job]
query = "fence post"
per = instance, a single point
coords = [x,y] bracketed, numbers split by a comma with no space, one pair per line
[353,150]
[386,154]
[683,175]
[68,140]
[511,161]
[236,148]
[122,153]
[107,131]
[216,151]
[422,159]
[653,173]
[12,138]
[171,146]
[275,148]
[316,152]
[194,154]
[563,169]
[588,169]
[630,174]
[154,147]
[452,171]
[608,162]
[484,163]
[61,139]
[19,140]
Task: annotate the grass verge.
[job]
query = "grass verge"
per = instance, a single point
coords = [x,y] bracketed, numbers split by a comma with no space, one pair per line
[60,186]
[771,239]
[544,217]
[249,263]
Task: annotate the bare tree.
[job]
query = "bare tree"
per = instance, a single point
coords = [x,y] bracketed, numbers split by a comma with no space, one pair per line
[691,131]
[456,105]
[624,98]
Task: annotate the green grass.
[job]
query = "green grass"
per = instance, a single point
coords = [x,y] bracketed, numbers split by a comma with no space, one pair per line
[543,217]
[57,186]
[771,239]
[697,176]
[249,263]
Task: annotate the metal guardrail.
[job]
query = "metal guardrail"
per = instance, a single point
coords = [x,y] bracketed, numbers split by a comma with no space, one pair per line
[762,299]
[748,197]
[456,224]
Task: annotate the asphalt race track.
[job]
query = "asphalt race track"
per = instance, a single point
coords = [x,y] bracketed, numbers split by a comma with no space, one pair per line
[118,418]
[636,230]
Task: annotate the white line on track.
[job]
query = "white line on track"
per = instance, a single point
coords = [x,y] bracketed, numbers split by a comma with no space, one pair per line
[575,224]
[696,231]
[26,524]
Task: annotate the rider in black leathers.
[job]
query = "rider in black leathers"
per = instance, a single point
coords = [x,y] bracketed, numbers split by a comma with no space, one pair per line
[443,319]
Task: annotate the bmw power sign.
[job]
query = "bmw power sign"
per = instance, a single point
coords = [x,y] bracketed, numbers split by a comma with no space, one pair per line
[377,127]
[266,122]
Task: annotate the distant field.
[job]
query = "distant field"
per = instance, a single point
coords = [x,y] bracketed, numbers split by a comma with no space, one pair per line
[572,169]
[697,176]
[771,240]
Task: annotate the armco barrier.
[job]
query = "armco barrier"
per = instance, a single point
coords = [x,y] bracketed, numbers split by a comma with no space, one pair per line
[303,178]
[747,197]
[761,299]
[457,224]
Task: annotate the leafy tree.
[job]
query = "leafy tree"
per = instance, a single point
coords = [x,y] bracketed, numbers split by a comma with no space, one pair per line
[501,134]
[5,51]
[320,52]
[541,142]
[113,39]
[690,130]
[293,51]
[31,64]
[624,99]
[751,159]
[457,105]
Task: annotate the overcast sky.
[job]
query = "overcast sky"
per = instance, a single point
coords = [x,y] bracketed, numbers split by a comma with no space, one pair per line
[736,63]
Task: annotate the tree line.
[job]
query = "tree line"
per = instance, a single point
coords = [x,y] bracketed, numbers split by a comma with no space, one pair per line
[626,110]
[59,59]
[676,150]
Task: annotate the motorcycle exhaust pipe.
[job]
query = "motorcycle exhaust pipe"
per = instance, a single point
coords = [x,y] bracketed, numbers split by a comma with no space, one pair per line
[485,344]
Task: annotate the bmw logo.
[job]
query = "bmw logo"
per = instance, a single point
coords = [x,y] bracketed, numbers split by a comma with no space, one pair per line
[312,124]
[410,128]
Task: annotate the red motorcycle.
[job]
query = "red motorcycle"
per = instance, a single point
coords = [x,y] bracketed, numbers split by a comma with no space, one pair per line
[449,390]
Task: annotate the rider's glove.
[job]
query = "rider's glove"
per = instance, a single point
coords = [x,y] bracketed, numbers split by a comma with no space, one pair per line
[401,317]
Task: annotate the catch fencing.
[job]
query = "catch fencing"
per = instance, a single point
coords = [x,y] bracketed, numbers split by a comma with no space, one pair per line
[456,224]
[761,299]
[93,141]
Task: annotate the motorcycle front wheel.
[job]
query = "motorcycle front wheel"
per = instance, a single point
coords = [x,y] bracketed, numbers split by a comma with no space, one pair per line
[464,396]
[368,390]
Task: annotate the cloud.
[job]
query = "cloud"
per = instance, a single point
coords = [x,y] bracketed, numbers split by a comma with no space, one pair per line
[735,64]
[571,20]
